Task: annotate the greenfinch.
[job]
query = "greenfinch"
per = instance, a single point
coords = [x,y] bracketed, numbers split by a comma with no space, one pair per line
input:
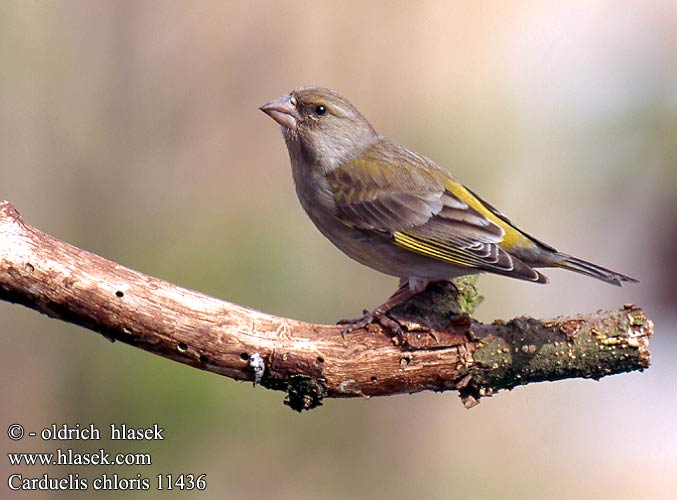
[395,210]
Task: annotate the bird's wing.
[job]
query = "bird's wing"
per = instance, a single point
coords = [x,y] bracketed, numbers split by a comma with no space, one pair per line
[422,209]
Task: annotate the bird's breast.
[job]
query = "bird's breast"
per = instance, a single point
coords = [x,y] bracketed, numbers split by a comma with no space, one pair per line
[315,195]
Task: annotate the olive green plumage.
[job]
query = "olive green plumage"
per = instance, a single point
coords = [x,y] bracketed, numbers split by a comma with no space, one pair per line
[395,210]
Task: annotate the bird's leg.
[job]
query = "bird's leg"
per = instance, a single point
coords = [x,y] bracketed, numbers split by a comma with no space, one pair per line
[407,289]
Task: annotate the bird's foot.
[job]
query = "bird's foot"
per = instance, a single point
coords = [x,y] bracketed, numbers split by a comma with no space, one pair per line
[368,318]
[353,324]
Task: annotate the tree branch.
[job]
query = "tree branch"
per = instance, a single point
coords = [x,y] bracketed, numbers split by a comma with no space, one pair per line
[443,349]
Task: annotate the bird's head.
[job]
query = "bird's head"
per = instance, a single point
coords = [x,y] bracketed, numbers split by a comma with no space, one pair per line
[320,126]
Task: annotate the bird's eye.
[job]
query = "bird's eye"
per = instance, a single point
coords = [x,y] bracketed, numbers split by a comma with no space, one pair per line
[320,110]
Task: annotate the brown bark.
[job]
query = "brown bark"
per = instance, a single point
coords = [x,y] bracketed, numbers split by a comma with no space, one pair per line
[310,361]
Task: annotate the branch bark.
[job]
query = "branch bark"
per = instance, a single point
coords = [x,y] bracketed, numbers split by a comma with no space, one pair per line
[443,349]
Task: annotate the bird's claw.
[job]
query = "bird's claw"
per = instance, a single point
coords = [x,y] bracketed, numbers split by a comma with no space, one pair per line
[370,317]
[360,323]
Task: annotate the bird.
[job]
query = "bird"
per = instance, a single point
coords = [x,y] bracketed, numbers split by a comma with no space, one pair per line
[397,211]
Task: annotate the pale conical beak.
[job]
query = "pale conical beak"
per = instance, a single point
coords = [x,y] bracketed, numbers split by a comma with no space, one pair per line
[283,111]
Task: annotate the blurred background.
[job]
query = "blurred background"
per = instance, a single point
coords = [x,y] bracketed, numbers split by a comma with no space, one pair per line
[131,129]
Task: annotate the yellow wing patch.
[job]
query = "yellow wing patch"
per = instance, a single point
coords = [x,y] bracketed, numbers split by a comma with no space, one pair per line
[429,248]
[512,237]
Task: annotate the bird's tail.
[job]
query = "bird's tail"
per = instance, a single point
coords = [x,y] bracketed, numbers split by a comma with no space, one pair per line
[580,266]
